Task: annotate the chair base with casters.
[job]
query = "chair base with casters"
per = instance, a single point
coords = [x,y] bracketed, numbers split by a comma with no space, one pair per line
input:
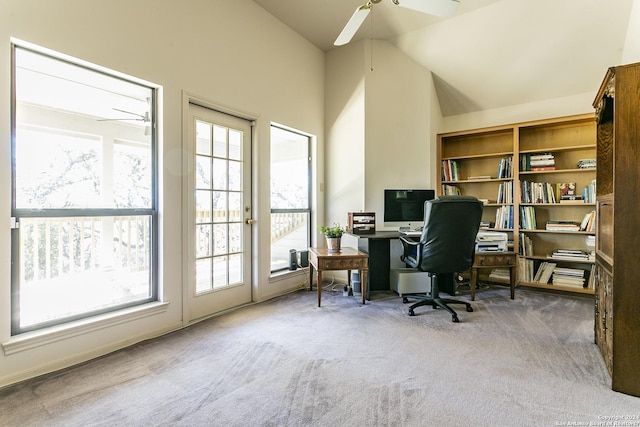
[433,299]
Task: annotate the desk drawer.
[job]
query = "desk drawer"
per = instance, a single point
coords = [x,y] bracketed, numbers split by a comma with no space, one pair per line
[343,264]
[494,260]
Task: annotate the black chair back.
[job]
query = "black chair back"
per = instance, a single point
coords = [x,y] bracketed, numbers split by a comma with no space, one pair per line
[448,238]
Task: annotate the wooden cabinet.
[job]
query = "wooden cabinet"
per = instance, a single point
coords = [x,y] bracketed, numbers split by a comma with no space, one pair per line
[617,317]
[517,171]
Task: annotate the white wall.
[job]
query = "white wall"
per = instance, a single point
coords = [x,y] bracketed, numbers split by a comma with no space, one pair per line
[377,125]
[231,53]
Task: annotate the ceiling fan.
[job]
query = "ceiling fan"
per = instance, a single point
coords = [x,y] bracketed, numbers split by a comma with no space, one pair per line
[442,8]
[140,118]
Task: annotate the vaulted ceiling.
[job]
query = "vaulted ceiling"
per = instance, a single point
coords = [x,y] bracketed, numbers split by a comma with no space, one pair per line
[490,53]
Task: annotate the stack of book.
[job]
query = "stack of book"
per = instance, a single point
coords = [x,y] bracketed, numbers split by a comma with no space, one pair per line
[586,164]
[545,270]
[568,277]
[560,225]
[537,162]
[571,255]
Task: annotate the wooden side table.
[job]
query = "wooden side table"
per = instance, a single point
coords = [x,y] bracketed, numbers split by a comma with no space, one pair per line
[493,260]
[347,259]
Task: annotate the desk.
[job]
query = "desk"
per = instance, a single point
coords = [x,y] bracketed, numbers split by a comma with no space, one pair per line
[378,247]
[347,259]
[493,260]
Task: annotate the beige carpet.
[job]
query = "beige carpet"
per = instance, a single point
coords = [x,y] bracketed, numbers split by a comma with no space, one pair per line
[286,362]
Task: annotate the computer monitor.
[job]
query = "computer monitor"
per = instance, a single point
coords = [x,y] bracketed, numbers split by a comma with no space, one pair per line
[406,205]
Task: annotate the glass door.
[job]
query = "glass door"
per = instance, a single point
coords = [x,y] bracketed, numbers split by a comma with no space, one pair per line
[218,212]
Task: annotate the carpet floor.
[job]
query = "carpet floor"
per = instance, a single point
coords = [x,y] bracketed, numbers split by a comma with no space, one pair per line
[530,361]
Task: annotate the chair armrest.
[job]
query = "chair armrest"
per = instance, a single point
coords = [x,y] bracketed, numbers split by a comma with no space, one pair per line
[411,252]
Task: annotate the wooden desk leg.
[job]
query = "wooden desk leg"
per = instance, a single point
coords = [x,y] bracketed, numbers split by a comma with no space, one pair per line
[310,277]
[319,286]
[473,282]
[363,284]
[512,278]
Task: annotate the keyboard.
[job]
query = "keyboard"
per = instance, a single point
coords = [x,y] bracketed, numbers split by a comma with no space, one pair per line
[412,233]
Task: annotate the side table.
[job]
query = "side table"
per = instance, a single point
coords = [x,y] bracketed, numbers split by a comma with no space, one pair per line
[493,260]
[347,259]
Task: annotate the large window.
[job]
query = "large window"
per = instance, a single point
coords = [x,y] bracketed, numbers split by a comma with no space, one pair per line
[83,193]
[290,195]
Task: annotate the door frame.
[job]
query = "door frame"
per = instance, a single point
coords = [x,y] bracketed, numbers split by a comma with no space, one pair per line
[190,98]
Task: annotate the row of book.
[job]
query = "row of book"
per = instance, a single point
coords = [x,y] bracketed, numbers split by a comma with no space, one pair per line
[589,192]
[549,272]
[505,192]
[504,217]
[537,162]
[450,190]
[527,218]
[505,167]
[450,170]
[537,192]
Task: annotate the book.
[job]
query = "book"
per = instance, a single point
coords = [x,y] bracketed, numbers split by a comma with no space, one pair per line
[564,189]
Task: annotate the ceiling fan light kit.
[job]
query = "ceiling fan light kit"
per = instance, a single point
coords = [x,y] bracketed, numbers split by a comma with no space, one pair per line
[441,8]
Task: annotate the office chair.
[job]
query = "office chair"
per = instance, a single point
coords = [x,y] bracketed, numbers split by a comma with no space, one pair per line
[446,246]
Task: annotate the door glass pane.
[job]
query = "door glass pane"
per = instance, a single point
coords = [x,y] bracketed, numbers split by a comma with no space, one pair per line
[220,141]
[220,206]
[203,239]
[235,207]
[235,269]
[220,175]
[203,206]
[220,273]
[203,275]
[203,138]
[235,140]
[203,172]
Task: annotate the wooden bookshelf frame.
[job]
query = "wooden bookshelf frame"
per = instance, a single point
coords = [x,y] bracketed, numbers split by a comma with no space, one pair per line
[478,152]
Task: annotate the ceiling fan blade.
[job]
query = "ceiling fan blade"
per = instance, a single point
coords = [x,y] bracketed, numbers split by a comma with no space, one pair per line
[353,25]
[441,8]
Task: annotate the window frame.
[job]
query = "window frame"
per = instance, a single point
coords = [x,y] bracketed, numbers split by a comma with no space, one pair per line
[18,213]
[309,209]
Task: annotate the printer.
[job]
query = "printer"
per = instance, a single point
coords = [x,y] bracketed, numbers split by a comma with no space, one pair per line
[491,241]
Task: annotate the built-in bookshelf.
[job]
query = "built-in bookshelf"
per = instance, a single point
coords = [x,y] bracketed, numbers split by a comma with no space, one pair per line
[537,183]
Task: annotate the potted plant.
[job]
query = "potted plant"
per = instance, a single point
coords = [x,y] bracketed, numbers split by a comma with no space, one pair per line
[333,235]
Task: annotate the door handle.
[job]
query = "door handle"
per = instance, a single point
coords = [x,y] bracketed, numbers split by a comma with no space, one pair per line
[249,221]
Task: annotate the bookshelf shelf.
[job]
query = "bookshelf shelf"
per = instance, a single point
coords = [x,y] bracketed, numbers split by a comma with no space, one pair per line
[561,288]
[563,150]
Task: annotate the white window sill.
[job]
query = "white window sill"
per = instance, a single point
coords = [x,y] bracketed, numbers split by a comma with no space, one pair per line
[30,340]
